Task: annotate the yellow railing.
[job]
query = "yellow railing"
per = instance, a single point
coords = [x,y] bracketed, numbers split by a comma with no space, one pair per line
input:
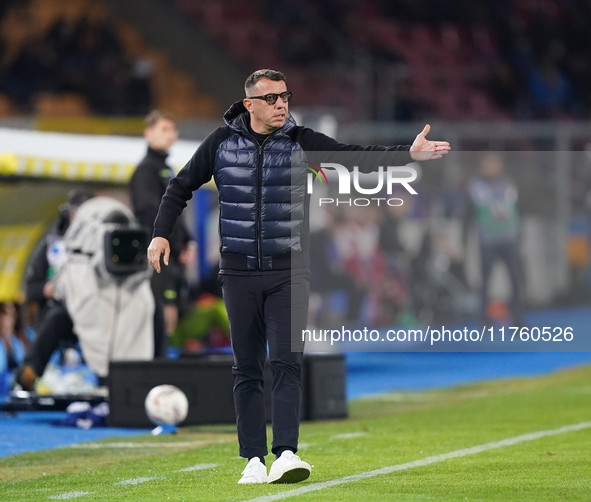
[16,244]
[35,167]
[127,126]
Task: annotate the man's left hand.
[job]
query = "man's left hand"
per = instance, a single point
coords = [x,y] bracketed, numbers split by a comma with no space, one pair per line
[423,149]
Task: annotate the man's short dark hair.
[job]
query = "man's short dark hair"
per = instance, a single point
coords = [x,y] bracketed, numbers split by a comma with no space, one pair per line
[155,115]
[251,81]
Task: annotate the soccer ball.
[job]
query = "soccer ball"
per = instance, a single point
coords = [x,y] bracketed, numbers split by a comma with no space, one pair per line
[166,405]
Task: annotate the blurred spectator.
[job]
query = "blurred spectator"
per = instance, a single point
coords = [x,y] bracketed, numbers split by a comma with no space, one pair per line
[57,330]
[50,254]
[26,75]
[329,279]
[397,285]
[140,90]
[23,326]
[358,248]
[12,349]
[550,90]
[146,188]
[492,205]
[53,322]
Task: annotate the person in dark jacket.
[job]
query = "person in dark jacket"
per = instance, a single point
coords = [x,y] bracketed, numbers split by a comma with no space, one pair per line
[48,254]
[492,206]
[264,262]
[146,188]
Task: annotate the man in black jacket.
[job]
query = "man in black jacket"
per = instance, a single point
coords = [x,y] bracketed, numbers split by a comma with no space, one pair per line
[146,188]
[264,263]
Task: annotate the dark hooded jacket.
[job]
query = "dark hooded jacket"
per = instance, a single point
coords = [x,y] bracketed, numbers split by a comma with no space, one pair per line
[146,188]
[263,222]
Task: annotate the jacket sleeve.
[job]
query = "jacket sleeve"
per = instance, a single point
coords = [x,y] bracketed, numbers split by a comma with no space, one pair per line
[350,155]
[197,172]
[144,190]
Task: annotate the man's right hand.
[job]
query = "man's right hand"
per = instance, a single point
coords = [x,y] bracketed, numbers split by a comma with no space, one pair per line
[158,246]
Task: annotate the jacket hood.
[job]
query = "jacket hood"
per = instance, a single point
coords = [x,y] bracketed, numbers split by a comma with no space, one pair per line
[237,115]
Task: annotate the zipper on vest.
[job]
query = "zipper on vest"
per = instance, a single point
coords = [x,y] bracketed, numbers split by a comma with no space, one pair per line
[259,208]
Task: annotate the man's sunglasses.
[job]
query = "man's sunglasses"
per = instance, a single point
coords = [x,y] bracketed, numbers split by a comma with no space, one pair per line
[271,98]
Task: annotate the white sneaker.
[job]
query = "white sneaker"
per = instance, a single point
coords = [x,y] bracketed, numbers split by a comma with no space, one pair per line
[254,472]
[288,468]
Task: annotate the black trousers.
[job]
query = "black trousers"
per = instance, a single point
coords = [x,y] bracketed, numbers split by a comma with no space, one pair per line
[57,328]
[267,308]
[509,254]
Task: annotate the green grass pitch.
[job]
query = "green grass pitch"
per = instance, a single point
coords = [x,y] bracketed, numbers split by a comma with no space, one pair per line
[383,431]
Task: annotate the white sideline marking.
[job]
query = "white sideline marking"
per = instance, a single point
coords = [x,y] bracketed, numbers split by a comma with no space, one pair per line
[71,495]
[137,481]
[198,467]
[425,461]
[349,435]
[178,444]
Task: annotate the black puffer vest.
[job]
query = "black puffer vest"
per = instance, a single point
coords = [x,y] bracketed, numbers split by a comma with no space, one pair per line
[262,199]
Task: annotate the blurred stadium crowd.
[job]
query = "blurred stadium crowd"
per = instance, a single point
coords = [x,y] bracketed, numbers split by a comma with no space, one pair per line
[80,56]
[456,60]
